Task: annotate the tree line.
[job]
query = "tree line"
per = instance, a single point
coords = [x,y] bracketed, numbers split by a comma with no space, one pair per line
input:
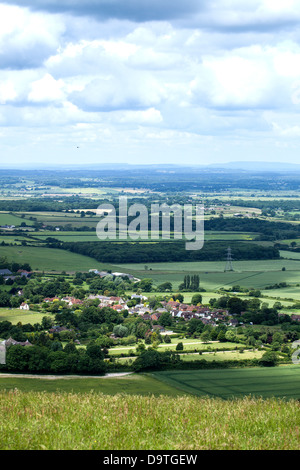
[166,251]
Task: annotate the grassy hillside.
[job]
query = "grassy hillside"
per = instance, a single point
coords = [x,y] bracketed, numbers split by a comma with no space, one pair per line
[92,421]
[50,259]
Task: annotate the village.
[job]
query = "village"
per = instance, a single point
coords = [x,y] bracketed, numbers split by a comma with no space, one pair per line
[177,310]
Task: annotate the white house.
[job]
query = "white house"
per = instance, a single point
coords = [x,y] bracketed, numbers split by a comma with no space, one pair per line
[24,306]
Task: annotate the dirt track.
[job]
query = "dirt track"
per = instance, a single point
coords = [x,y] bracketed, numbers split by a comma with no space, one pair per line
[54,377]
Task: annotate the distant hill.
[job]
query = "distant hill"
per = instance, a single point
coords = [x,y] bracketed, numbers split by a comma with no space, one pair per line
[258,166]
[227,167]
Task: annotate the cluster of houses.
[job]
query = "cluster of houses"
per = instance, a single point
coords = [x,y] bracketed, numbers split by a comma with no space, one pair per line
[7,274]
[10,341]
[7,227]
[176,309]
[116,274]
[294,316]
[188,312]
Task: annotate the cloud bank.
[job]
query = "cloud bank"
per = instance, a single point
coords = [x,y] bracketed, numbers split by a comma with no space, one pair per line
[145,81]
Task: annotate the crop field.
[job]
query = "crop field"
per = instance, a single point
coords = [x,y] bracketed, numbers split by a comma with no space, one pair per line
[280,382]
[256,274]
[217,266]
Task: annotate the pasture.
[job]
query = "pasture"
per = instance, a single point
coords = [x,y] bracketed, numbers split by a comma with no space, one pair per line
[16,315]
[10,219]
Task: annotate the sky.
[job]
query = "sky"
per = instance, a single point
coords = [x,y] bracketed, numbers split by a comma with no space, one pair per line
[149,81]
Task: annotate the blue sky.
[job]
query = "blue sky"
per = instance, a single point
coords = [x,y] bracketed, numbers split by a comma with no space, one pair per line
[142,81]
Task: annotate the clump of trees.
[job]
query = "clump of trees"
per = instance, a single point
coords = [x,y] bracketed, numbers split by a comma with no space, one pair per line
[191,283]
[55,359]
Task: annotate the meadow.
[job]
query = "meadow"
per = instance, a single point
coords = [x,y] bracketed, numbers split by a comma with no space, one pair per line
[92,420]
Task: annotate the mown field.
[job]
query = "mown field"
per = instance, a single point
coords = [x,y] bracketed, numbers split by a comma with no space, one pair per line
[16,315]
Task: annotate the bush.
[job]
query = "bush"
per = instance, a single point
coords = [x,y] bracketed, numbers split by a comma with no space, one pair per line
[269,359]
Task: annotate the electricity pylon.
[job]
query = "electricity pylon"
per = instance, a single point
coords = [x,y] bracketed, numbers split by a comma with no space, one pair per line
[229,260]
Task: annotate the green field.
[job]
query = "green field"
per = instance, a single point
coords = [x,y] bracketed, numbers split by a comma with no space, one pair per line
[280,382]
[277,382]
[73,236]
[9,219]
[251,266]
[15,315]
[128,384]
[256,273]
[50,259]
[290,255]
[61,218]
[189,344]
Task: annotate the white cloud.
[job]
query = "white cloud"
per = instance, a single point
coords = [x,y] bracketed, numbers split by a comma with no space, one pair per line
[27,39]
[148,116]
[7,92]
[135,78]
[121,90]
[46,89]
